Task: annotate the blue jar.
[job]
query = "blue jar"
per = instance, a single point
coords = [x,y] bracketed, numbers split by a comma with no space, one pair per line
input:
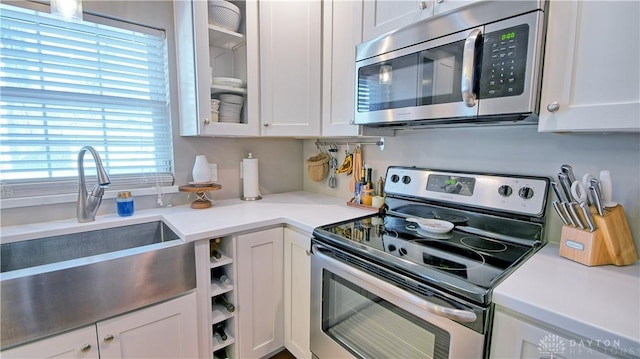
[124,203]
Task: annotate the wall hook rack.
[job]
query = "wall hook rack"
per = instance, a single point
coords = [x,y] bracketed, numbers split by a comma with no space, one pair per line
[379,143]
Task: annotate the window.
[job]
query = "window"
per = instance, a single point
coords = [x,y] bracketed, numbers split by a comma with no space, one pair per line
[67,84]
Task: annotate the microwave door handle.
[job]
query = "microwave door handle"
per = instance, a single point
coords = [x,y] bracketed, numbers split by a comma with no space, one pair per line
[468,67]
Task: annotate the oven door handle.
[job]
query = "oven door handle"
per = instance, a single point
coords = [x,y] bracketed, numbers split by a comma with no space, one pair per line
[454,314]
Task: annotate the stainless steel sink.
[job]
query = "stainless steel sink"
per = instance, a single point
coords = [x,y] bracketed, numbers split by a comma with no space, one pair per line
[53,284]
[36,252]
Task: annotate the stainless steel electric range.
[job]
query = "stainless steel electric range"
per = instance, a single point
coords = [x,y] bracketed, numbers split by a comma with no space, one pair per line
[416,280]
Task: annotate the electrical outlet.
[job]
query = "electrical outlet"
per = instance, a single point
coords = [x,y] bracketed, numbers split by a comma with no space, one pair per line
[213,167]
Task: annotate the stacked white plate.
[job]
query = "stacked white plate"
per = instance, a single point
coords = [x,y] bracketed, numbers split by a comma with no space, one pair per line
[230,108]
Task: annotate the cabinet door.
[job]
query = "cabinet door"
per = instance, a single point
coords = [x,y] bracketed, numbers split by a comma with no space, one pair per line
[79,343]
[442,6]
[166,330]
[591,72]
[342,31]
[515,338]
[297,292]
[382,16]
[202,46]
[290,60]
[260,293]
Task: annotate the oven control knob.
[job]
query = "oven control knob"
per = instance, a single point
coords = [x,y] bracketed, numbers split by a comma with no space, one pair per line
[406,179]
[395,178]
[402,251]
[391,248]
[525,192]
[505,190]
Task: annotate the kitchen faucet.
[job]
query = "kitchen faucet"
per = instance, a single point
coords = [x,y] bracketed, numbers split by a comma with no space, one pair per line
[88,204]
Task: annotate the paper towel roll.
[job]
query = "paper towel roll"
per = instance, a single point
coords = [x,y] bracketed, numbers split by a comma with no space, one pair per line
[250,182]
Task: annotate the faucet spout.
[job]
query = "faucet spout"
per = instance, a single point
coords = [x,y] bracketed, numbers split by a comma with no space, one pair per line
[88,203]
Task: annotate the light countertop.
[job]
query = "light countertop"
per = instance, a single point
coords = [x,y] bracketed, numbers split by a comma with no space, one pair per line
[303,210]
[599,303]
[591,302]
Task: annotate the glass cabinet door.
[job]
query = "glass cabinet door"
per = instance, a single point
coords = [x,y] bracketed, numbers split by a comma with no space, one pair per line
[213,61]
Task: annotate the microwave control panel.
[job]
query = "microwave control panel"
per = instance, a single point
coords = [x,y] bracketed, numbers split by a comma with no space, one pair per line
[504,62]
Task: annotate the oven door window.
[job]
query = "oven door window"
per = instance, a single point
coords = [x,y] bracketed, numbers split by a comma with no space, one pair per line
[370,327]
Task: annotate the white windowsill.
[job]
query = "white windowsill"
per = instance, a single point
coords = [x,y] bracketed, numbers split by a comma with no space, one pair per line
[73,197]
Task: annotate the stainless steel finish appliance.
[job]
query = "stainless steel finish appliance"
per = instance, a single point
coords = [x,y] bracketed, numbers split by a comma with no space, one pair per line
[385,286]
[480,64]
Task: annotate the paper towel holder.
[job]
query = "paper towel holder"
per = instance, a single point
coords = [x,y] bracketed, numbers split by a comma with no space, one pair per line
[243,197]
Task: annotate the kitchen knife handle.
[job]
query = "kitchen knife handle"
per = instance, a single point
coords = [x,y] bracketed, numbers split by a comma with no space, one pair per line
[588,217]
[568,170]
[565,207]
[556,206]
[558,192]
[596,199]
[576,218]
[566,185]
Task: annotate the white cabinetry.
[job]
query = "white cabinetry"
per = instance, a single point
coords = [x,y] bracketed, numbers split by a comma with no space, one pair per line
[166,330]
[517,338]
[297,292]
[290,60]
[202,46]
[342,31]
[442,6]
[382,16]
[591,67]
[80,343]
[259,282]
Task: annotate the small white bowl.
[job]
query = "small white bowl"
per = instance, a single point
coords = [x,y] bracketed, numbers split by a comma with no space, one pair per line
[432,225]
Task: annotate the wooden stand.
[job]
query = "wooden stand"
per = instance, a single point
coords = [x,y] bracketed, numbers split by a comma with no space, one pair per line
[610,243]
[201,201]
[362,206]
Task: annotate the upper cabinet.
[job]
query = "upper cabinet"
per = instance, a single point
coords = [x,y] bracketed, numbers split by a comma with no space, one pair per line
[382,16]
[442,6]
[342,31]
[226,62]
[591,67]
[290,67]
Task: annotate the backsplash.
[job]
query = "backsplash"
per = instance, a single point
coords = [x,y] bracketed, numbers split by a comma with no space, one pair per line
[279,170]
[511,150]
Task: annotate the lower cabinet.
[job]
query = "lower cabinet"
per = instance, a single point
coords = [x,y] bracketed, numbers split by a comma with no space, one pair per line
[515,337]
[297,292]
[260,293]
[166,330]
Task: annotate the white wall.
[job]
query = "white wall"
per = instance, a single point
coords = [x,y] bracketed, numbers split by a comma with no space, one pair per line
[510,150]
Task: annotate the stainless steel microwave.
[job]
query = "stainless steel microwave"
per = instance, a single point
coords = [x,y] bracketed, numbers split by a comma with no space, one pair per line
[480,64]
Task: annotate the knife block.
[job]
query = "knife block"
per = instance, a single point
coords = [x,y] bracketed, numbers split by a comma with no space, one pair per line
[610,243]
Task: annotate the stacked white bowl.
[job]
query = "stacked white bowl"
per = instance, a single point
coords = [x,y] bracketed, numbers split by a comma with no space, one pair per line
[224,14]
[230,108]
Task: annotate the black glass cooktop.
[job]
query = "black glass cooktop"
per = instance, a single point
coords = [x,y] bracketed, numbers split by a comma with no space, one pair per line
[461,261]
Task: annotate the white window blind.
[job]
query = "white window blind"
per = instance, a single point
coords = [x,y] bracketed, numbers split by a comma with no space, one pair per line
[66,84]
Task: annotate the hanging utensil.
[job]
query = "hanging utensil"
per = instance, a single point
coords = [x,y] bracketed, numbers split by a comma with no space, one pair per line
[357,168]
[333,164]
